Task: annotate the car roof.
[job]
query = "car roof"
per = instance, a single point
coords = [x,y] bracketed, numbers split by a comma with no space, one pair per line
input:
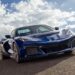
[31,26]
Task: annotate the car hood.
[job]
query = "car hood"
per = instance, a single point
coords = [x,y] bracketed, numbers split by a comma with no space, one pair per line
[44,36]
[40,36]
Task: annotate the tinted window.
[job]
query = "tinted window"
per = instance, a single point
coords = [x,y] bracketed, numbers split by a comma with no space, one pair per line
[32,30]
[23,31]
[42,29]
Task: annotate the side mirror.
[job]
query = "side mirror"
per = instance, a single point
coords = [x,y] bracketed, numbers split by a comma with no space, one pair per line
[7,36]
[56,28]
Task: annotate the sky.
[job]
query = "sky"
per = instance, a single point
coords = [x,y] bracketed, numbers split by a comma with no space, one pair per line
[17,13]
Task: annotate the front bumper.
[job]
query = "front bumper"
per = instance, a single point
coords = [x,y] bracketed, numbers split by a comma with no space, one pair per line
[47,48]
[38,55]
[53,48]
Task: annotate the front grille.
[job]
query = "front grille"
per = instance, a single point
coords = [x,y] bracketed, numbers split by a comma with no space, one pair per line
[55,47]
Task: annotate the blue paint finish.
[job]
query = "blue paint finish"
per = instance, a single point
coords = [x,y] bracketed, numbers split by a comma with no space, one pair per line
[19,43]
[22,51]
[23,44]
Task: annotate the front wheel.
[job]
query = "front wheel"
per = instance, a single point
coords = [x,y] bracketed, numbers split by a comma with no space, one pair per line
[1,53]
[16,54]
[1,56]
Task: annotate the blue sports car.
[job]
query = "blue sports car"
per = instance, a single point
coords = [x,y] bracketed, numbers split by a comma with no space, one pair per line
[37,41]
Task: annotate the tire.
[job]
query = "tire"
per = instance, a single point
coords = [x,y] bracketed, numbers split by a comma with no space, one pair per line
[1,53]
[1,56]
[68,52]
[16,55]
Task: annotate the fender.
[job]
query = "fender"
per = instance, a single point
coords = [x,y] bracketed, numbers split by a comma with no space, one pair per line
[21,48]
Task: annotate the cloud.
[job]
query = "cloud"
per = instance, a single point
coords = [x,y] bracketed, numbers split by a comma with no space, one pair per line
[68,5]
[40,11]
[2,9]
[32,12]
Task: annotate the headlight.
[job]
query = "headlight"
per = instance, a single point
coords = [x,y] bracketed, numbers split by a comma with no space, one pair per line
[29,39]
[23,39]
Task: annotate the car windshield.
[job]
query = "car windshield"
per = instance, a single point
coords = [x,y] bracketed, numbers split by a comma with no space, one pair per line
[33,30]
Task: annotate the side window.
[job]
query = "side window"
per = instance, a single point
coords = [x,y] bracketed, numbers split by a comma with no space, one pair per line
[23,31]
[43,29]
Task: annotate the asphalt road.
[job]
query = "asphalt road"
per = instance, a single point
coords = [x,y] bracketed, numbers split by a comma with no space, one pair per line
[58,65]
